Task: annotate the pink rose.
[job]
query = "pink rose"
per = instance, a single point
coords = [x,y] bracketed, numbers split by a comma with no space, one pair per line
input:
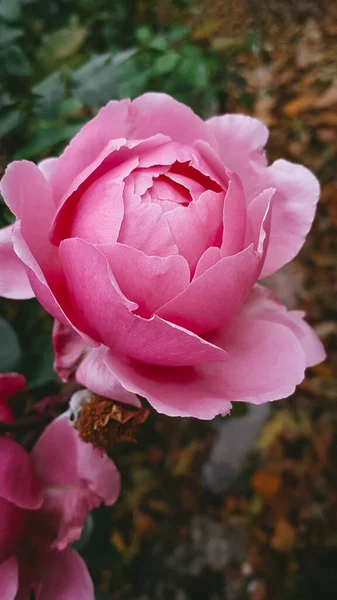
[9,384]
[146,238]
[44,499]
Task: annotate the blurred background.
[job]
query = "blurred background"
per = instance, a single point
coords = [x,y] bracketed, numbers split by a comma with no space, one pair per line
[242,508]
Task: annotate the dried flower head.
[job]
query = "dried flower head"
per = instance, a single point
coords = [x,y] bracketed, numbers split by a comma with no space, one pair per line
[103,423]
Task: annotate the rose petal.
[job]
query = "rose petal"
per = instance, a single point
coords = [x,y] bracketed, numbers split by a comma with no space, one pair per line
[154,113]
[12,530]
[262,303]
[294,206]
[71,491]
[33,206]
[18,482]
[266,362]
[234,218]
[119,157]
[55,455]
[63,576]
[94,375]
[47,166]
[207,260]
[14,282]
[99,213]
[145,227]
[240,143]
[215,296]
[197,226]
[11,383]
[110,124]
[68,349]
[150,281]
[99,473]
[106,313]
[9,579]
[28,195]
[176,392]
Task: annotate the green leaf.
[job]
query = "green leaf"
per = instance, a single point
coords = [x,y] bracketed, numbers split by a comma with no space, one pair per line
[39,361]
[8,35]
[143,34]
[49,94]
[10,10]
[14,61]
[166,63]
[95,83]
[9,347]
[159,42]
[10,121]
[99,595]
[46,138]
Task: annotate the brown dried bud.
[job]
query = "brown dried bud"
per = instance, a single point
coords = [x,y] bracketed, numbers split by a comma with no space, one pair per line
[104,423]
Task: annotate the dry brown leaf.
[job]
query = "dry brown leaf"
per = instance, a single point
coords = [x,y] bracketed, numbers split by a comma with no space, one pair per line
[328,98]
[299,105]
[284,536]
[326,118]
[266,484]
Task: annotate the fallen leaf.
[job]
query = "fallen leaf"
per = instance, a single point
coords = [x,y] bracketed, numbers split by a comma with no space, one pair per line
[284,536]
[328,98]
[266,484]
[299,105]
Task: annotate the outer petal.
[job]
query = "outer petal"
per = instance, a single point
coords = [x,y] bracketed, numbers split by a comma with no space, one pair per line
[264,304]
[240,142]
[68,349]
[150,281]
[154,113]
[106,312]
[94,375]
[62,459]
[110,124]
[63,576]
[55,455]
[18,482]
[312,347]
[47,166]
[266,362]
[14,282]
[28,195]
[71,490]
[9,579]
[176,392]
[294,206]
[98,472]
[212,299]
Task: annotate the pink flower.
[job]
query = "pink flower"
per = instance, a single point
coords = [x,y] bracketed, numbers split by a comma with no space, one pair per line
[44,499]
[9,384]
[145,240]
